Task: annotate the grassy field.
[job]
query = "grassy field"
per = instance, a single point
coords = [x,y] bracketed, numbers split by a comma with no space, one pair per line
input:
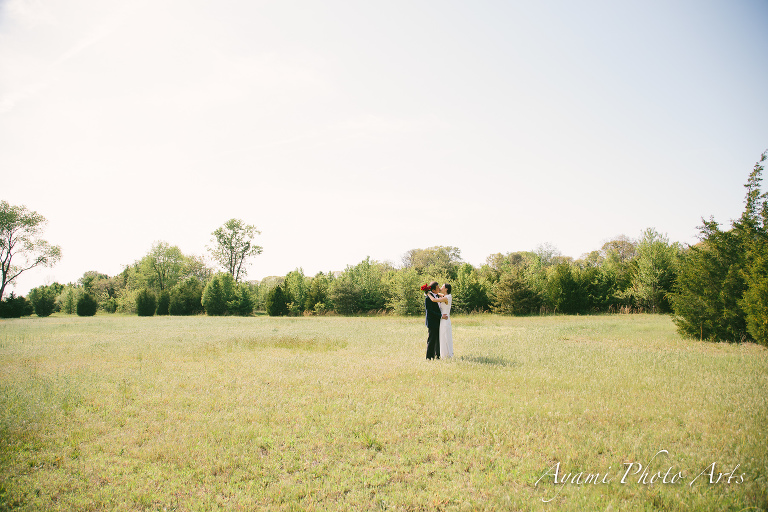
[331,413]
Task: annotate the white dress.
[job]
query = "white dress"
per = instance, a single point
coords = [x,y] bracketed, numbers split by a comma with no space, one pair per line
[446,334]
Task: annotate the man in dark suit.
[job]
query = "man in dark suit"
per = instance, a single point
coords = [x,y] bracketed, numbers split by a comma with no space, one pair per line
[433,322]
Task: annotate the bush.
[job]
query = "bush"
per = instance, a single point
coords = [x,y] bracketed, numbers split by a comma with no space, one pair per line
[710,286]
[146,302]
[126,301]
[67,300]
[15,307]
[755,301]
[721,292]
[468,292]
[164,302]
[295,286]
[276,302]
[243,305]
[655,272]
[44,300]
[218,294]
[346,295]
[317,292]
[755,306]
[110,305]
[407,298]
[186,298]
[87,305]
[514,296]
[564,290]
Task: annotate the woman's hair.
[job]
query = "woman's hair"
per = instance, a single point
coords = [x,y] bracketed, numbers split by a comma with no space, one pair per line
[447,288]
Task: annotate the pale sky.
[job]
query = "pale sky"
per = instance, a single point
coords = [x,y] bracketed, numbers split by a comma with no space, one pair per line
[346,129]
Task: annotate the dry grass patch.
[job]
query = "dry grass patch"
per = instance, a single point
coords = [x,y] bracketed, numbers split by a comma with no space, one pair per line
[128,413]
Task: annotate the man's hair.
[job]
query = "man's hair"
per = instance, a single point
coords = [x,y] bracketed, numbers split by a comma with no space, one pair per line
[433,285]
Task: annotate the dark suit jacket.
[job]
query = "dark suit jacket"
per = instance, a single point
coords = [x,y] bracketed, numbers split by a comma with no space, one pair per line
[433,312]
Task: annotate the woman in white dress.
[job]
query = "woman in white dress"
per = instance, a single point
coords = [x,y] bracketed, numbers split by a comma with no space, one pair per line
[446,334]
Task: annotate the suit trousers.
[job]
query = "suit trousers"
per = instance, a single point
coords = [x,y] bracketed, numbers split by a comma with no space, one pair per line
[433,341]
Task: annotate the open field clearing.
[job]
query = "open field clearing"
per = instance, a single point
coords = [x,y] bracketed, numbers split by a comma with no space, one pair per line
[331,413]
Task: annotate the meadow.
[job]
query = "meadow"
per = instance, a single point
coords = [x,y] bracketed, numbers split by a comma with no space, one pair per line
[344,413]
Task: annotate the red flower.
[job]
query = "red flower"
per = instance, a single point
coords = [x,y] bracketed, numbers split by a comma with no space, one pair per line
[424,287]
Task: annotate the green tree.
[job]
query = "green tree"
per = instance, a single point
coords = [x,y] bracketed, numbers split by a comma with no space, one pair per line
[136,276]
[21,245]
[469,292]
[371,278]
[317,292]
[276,303]
[15,307]
[706,297]
[218,293]
[513,295]
[67,299]
[234,245]
[295,287]
[346,294]
[547,255]
[146,302]
[406,297]
[163,303]
[753,227]
[719,293]
[165,264]
[439,261]
[243,303]
[262,289]
[43,299]
[755,302]
[599,287]
[110,305]
[87,305]
[565,292]
[655,273]
[197,267]
[186,298]
[618,257]
[538,270]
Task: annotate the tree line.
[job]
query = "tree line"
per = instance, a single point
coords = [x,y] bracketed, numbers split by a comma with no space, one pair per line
[624,275]
[716,289]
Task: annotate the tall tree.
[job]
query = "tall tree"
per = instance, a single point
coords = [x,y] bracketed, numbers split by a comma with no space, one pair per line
[619,265]
[276,304]
[406,298]
[469,293]
[317,292]
[655,272]
[295,286]
[721,293]
[438,260]
[512,295]
[707,295]
[565,291]
[166,263]
[754,227]
[21,245]
[234,245]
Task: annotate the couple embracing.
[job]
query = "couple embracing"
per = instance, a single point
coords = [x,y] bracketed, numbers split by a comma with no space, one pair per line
[437,302]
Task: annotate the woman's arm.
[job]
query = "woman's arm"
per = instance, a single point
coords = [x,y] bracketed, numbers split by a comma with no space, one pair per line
[439,299]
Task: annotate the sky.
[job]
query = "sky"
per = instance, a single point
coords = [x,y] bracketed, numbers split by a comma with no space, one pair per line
[344,130]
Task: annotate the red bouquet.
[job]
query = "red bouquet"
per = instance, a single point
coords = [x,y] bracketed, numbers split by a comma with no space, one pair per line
[425,287]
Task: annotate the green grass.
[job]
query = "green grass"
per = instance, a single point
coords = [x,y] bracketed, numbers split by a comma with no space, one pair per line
[331,413]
